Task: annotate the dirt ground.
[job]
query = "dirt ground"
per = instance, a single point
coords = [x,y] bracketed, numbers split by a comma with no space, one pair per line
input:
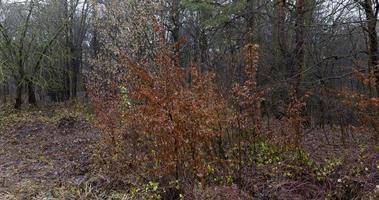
[41,159]
[37,158]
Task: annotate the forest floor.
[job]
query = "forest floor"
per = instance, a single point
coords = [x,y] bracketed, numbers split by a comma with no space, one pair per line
[47,155]
[41,152]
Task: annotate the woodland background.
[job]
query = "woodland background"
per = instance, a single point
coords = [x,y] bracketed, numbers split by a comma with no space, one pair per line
[212,99]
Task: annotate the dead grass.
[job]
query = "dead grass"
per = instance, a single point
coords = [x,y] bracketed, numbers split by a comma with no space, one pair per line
[39,154]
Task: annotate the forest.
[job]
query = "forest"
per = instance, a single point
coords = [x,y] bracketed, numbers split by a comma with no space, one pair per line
[189,99]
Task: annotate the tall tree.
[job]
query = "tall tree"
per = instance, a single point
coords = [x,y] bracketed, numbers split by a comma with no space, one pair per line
[371,11]
[281,20]
[299,54]
[74,37]
[27,48]
[175,26]
[250,21]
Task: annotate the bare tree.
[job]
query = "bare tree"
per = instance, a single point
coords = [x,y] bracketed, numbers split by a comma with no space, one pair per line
[371,11]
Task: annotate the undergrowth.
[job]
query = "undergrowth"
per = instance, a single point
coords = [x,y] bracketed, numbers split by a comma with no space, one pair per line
[48,114]
[168,133]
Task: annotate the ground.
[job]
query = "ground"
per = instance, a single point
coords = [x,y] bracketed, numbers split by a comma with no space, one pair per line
[40,155]
[47,154]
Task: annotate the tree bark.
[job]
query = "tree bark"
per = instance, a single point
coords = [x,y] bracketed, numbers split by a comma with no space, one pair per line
[299,46]
[250,23]
[75,74]
[371,18]
[18,96]
[175,20]
[21,58]
[203,47]
[19,83]
[32,100]
[284,65]
[281,19]
[68,45]
[4,93]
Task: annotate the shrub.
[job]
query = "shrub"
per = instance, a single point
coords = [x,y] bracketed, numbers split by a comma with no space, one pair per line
[177,112]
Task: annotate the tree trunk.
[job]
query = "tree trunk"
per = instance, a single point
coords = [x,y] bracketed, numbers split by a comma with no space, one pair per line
[19,82]
[75,74]
[299,47]
[281,19]
[67,85]
[297,72]
[32,100]
[4,93]
[18,96]
[175,18]
[371,17]
[250,22]
[203,47]
[68,45]
[283,55]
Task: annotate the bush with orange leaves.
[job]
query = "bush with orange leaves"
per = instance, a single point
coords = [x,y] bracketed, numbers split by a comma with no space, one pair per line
[365,106]
[170,121]
[366,109]
[248,97]
[175,113]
